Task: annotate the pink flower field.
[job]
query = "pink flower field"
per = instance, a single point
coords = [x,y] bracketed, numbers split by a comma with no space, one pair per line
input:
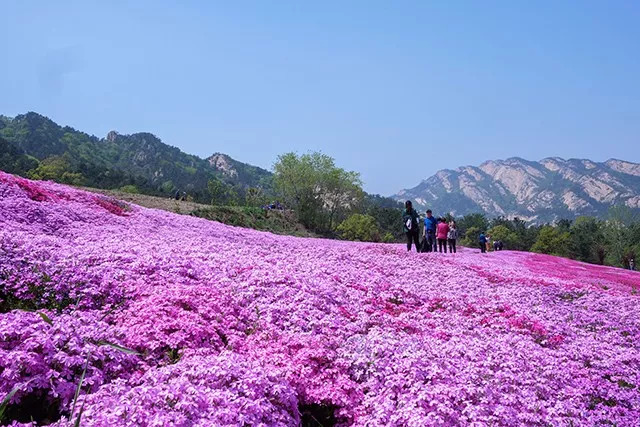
[183,321]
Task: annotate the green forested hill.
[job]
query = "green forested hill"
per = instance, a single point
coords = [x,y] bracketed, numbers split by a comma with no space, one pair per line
[14,160]
[35,146]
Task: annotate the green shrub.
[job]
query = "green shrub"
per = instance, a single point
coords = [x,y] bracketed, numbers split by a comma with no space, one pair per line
[275,221]
[552,241]
[388,238]
[360,227]
[131,189]
[501,232]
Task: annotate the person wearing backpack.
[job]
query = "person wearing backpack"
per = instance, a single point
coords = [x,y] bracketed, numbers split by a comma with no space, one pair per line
[429,233]
[441,233]
[452,236]
[410,219]
[482,241]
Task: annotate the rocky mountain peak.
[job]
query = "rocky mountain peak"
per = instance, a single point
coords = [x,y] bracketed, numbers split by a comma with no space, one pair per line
[112,135]
[222,163]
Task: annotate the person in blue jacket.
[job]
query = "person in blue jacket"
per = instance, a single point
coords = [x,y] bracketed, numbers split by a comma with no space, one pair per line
[429,232]
[482,241]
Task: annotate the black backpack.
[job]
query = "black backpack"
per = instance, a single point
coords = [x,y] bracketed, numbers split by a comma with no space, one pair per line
[426,245]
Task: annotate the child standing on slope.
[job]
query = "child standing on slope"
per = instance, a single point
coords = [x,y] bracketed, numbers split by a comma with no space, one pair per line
[452,236]
[441,234]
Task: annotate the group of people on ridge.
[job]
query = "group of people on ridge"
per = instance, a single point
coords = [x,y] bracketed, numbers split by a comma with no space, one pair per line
[437,234]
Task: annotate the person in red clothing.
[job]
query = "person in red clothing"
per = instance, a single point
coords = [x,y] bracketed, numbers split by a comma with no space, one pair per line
[441,235]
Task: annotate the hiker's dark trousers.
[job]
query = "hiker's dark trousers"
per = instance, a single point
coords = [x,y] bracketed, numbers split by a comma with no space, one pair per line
[452,246]
[483,247]
[412,236]
[442,243]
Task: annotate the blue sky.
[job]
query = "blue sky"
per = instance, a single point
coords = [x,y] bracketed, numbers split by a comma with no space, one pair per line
[394,90]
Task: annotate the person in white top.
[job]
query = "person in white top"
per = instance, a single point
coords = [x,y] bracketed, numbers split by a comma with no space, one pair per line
[452,236]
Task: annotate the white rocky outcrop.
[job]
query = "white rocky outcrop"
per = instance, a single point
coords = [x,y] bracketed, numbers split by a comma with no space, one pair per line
[222,164]
[633,202]
[624,167]
[520,180]
[444,179]
[574,202]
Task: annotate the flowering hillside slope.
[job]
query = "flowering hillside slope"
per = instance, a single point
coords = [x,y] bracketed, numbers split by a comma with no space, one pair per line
[239,327]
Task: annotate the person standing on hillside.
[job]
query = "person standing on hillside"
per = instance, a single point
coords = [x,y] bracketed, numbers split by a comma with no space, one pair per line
[452,236]
[410,219]
[429,233]
[442,234]
[632,263]
[482,241]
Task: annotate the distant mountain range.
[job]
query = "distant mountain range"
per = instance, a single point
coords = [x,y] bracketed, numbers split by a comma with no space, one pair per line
[547,190]
[34,145]
[32,142]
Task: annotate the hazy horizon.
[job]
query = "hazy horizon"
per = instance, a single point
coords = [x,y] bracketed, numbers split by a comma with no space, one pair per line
[407,89]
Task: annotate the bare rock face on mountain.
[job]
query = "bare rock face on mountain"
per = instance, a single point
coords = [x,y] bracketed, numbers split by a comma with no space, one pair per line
[112,136]
[222,163]
[541,191]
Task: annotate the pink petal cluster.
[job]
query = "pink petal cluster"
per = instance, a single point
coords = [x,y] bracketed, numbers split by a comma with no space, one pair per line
[241,327]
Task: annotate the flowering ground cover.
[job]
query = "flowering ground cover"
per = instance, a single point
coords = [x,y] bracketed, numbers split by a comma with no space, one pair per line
[174,320]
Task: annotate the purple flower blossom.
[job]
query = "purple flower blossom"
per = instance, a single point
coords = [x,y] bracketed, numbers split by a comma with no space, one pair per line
[241,327]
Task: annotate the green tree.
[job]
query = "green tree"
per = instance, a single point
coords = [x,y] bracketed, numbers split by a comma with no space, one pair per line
[471,235]
[387,213]
[359,227]
[618,234]
[525,236]
[341,191]
[57,168]
[218,191]
[167,187]
[552,241]
[321,193]
[502,232]
[255,197]
[14,160]
[234,197]
[73,178]
[563,224]
[634,250]
[475,220]
[586,237]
